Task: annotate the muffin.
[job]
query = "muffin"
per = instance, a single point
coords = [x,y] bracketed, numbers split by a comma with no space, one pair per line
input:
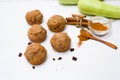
[37,33]
[56,23]
[34,17]
[60,42]
[35,54]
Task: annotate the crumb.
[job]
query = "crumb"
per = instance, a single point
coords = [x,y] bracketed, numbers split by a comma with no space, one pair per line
[29,43]
[74,58]
[53,59]
[72,49]
[20,55]
[59,58]
[33,67]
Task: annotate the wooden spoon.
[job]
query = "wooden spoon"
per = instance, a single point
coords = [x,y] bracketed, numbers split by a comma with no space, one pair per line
[85,33]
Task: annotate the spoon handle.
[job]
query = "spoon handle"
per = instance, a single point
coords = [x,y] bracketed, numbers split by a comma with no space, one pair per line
[105,42]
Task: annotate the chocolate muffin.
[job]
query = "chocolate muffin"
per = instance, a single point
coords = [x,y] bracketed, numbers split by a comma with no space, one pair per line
[34,17]
[37,33]
[60,42]
[56,23]
[35,54]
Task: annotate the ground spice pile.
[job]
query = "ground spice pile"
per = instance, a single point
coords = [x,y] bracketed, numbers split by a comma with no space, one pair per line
[98,26]
[81,37]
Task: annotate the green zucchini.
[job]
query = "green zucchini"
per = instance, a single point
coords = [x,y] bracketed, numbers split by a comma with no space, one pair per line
[68,2]
[99,8]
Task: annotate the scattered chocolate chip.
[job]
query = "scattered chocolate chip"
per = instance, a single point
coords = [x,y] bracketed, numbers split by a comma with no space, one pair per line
[74,58]
[72,49]
[29,43]
[20,55]
[59,58]
[53,59]
[33,67]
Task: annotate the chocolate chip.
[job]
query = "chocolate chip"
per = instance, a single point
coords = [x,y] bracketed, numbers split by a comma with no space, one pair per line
[53,59]
[59,58]
[72,49]
[74,58]
[33,67]
[29,43]
[20,55]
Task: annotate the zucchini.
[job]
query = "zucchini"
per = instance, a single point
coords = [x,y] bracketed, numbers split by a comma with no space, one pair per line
[98,8]
[68,2]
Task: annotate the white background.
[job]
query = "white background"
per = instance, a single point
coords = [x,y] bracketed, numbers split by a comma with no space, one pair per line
[96,61]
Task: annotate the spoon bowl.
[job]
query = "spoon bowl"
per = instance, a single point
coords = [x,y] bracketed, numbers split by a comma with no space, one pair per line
[87,34]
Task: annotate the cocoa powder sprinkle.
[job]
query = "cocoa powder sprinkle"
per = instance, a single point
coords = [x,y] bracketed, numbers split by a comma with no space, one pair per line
[53,59]
[74,58]
[59,58]
[20,55]
[29,43]
[72,49]
[33,67]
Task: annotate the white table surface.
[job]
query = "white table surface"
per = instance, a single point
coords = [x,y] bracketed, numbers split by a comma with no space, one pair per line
[39,0]
[96,61]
